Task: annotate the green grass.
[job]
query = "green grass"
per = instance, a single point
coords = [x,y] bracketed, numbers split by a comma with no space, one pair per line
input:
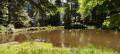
[43,28]
[91,27]
[47,48]
[47,28]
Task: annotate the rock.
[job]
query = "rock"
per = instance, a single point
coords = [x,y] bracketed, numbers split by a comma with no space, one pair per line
[39,40]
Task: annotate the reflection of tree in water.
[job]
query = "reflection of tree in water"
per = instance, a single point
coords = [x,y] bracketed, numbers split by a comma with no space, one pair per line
[62,40]
[24,36]
[28,37]
[81,37]
[72,33]
[116,32]
[84,38]
[89,38]
[20,38]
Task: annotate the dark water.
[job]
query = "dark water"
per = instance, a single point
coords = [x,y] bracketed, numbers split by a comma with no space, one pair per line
[69,38]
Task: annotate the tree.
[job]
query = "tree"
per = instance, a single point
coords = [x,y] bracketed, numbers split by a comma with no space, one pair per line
[71,15]
[14,6]
[49,12]
[109,8]
[55,19]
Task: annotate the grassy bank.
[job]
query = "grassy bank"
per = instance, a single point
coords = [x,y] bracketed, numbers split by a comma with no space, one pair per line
[6,30]
[79,27]
[47,48]
[44,28]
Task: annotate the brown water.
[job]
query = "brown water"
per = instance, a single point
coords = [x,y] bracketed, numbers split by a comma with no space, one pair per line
[69,38]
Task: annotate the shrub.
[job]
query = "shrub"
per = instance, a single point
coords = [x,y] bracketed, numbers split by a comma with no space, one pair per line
[11,28]
[75,27]
[3,29]
[26,24]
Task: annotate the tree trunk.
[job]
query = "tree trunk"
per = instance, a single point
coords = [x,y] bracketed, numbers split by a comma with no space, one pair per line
[9,12]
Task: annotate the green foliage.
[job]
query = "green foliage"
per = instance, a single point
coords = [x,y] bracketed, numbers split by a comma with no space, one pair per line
[3,29]
[25,19]
[42,6]
[16,9]
[59,9]
[113,21]
[87,5]
[10,28]
[106,22]
[110,8]
[47,48]
[105,6]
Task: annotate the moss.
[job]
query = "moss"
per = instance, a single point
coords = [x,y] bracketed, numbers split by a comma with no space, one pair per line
[47,48]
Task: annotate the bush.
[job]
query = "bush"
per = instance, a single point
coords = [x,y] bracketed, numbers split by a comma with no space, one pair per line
[75,27]
[3,29]
[11,28]
[26,24]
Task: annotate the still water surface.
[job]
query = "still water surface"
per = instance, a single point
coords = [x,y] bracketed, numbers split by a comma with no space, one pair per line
[69,38]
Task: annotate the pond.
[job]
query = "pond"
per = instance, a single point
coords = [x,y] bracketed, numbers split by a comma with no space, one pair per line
[69,38]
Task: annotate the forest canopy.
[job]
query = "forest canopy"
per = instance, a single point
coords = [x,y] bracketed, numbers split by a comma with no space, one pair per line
[56,12]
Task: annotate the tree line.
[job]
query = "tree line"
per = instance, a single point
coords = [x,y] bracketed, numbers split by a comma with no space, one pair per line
[102,13]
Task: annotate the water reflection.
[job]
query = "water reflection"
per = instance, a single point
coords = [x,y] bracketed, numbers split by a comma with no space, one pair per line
[69,38]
